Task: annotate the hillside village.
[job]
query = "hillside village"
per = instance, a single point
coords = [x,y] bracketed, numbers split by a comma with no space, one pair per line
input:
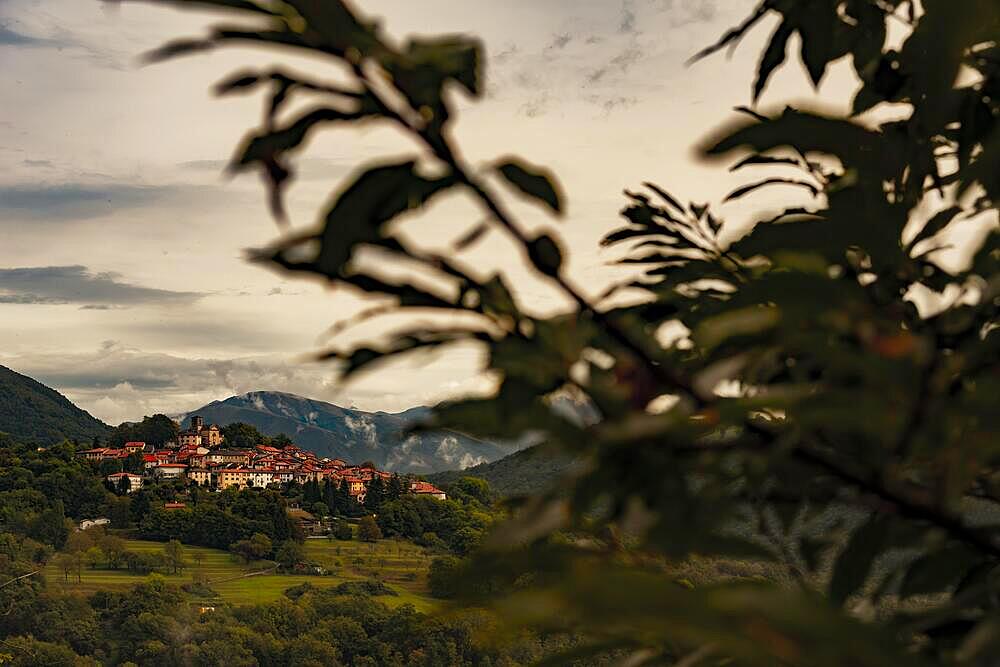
[199,455]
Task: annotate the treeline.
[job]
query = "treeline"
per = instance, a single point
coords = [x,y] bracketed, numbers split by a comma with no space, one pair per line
[151,624]
[457,524]
[43,492]
[215,520]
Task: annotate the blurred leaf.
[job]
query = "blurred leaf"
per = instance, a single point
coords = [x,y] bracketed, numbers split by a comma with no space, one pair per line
[745,321]
[532,181]
[935,572]
[773,56]
[747,189]
[850,570]
[545,255]
[374,198]
[939,221]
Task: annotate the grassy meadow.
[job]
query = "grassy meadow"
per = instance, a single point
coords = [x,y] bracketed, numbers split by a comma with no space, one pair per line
[401,565]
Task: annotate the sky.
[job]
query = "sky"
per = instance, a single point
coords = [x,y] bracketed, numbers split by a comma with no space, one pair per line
[123,278]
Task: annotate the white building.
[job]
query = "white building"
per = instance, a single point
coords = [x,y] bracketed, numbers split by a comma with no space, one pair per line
[134,481]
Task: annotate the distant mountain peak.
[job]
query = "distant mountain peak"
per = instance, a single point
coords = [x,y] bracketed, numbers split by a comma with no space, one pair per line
[352,434]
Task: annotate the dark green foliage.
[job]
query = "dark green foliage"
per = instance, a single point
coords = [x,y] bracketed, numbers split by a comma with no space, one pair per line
[342,530]
[824,364]
[528,471]
[219,520]
[239,435]
[156,430]
[374,494]
[32,413]
[368,530]
[445,576]
[454,524]
[289,554]
[257,547]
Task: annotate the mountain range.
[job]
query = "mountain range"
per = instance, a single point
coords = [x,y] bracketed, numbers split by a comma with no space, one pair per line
[32,413]
[353,435]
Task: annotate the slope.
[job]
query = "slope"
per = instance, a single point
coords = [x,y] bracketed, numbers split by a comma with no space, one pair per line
[32,413]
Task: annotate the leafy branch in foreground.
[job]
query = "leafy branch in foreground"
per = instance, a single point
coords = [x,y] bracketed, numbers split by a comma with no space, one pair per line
[830,406]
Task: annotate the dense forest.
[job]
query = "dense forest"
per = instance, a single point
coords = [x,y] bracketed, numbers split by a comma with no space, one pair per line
[32,412]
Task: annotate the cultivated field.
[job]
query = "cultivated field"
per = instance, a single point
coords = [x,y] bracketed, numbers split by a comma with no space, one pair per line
[400,565]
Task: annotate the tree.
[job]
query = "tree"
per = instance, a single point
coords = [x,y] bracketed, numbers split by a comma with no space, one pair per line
[311,492]
[93,556]
[319,509]
[240,435]
[114,549]
[156,430]
[330,496]
[823,365]
[118,511]
[368,530]
[50,526]
[444,576]
[290,554]
[374,494]
[345,503]
[173,553]
[256,548]
[342,530]
[396,487]
[64,563]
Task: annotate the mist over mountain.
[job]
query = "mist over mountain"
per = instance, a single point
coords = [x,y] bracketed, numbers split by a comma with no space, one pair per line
[33,413]
[354,435]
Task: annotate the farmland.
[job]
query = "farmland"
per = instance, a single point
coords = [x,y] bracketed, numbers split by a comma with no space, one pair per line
[400,565]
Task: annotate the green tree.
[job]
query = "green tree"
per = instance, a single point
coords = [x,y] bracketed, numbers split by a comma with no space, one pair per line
[374,494]
[173,553]
[289,554]
[395,488]
[50,526]
[823,366]
[114,549]
[240,435]
[345,503]
[156,430]
[256,548]
[444,576]
[342,530]
[330,496]
[368,530]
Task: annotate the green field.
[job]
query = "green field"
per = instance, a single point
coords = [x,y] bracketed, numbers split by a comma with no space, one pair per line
[400,565]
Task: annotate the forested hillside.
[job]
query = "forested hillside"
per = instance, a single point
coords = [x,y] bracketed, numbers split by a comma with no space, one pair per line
[527,471]
[34,413]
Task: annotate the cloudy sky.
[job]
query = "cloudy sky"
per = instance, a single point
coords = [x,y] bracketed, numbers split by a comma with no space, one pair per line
[122,278]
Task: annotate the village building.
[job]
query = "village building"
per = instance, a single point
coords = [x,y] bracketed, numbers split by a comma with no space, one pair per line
[169,470]
[237,456]
[200,435]
[309,524]
[134,481]
[421,488]
[200,476]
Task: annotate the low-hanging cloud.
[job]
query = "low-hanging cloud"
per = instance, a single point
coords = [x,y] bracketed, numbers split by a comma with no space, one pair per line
[77,201]
[78,285]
